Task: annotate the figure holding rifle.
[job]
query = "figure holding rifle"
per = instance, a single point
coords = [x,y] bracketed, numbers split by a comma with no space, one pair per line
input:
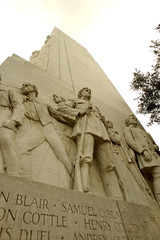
[92,139]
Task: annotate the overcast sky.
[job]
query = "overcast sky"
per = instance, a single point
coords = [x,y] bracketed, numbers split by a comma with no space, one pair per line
[117,33]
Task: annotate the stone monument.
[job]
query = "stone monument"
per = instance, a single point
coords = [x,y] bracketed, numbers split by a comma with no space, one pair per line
[75,163]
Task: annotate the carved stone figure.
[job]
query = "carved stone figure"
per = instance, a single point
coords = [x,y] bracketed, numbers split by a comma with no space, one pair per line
[34,56]
[41,129]
[92,139]
[133,185]
[65,108]
[66,127]
[11,116]
[146,151]
[40,57]
[47,39]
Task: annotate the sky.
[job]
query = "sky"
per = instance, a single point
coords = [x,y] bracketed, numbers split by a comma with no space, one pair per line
[117,33]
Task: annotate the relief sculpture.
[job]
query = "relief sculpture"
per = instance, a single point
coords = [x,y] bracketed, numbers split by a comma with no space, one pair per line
[82,141]
[40,129]
[11,116]
[127,169]
[65,126]
[146,152]
[92,139]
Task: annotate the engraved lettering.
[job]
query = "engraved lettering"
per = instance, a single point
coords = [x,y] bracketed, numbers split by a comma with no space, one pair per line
[34,202]
[8,231]
[88,236]
[23,234]
[2,213]
[119,227]
[1,230]
[84,210]
[109,214]
[101,212]
[56,222]
[96,225]
[133,228]
[34,235]
[4,196]
[5,232]
[87,224]
[7,214]
[43,234]
[25,202]
[10,214]
[45,219]
[35,218]
[19,200]
[25,216]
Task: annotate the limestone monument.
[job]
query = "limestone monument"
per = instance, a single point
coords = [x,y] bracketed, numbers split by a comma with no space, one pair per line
[75,163]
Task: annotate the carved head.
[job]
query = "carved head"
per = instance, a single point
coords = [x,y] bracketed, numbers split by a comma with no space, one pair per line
[47,39]
[58,99]
[28,88]
[85,93]
[131,120]
[108,124]
[35,54]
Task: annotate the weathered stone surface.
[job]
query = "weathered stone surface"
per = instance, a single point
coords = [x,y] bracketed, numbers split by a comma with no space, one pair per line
[33,211]
[140,222]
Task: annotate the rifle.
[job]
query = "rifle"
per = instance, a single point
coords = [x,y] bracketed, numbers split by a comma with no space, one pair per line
[78,180]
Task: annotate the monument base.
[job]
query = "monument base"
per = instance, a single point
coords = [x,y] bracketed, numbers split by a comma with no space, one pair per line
[35,211]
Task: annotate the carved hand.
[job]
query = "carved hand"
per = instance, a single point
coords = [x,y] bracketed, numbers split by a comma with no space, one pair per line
[85,111]
[147,156]
[90,105]
[133,159]
[11,124]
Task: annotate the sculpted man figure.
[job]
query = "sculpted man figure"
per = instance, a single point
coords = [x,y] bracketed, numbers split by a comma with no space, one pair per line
[11,116]
[65,108]
[146,151]
[40,118]
[134,186]
[92,139]
[66,127]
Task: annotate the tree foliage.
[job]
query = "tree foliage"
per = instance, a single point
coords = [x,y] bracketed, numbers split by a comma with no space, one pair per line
[148,86]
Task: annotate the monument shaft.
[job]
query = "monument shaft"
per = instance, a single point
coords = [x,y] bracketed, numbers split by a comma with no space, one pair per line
[75,164]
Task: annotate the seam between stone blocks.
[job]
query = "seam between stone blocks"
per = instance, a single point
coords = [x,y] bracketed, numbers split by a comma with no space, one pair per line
[122,220]
[69,65]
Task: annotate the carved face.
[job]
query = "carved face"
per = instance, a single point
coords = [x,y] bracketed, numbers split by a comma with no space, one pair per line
[58,99]
[109,124]
[86,93]
[27,88]
[132,120]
